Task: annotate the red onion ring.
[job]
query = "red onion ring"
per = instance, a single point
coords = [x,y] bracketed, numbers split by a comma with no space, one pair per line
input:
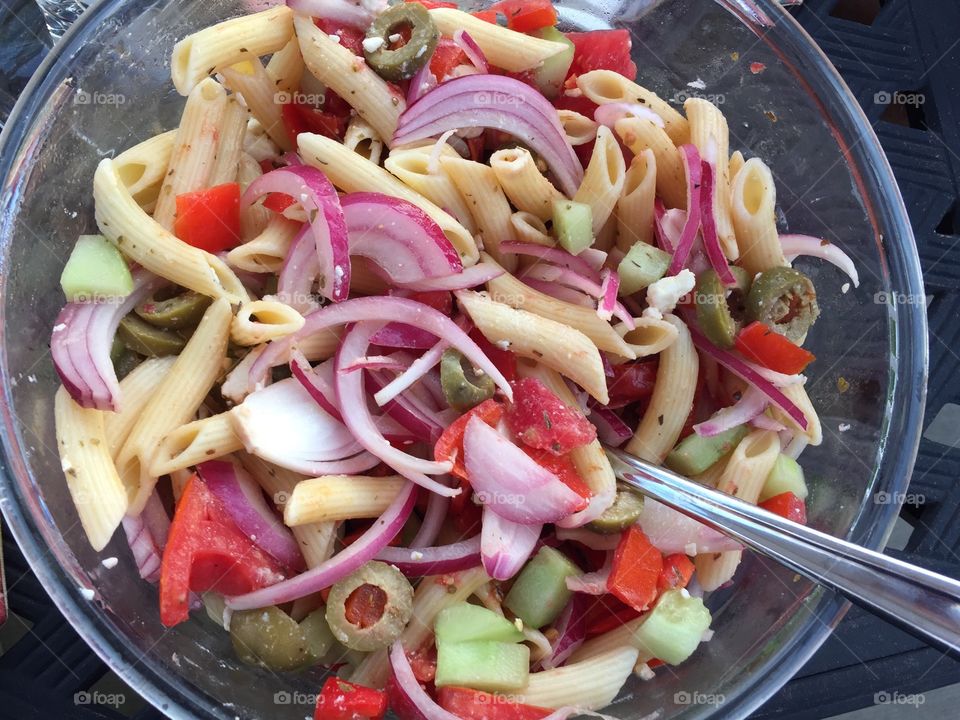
[693,170]
[505,545]
[708,224]
[473,51]
[751,404]
[793,245]
[557,256]
[418,562]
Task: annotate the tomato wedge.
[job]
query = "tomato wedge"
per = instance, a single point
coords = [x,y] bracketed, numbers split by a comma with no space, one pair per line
[543,421]
[209,219]
[787,505]
[636,569]
[342,700]
[563,467]
[470,704]
[602,50]
[759,344]
[450,444]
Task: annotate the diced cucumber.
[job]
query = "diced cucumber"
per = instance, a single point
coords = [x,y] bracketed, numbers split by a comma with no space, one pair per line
[481,665]
[674,627]
[95,270]
[551,74]
[786,476]
[573,225]
[465,623]
[540,592]
[643,265]
[695,453]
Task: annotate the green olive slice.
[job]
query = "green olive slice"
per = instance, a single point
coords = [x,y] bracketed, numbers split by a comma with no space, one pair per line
[145,339]
[179,311]
[785,300]
[368,609]
[463,385]
[402,63]
[719,308]
[624,512]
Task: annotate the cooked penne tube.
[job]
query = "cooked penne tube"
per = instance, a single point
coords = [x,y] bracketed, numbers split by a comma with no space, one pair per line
[529,228]
[227,43]
[507,289]
[260,93]
[143,167]
[639,134]
[263,320]
[650,335]
[478,186]
[194,443]
[257,144]
[734,166]
[708,131]
[635,207]
[578,128]
[95,487]
[413,168]
[194,149]
[363,139]
[507,49]
[523,183]
[753,204]
[606,86]
[743,477]
[267,251]
[253,218]
[672,398]
[233,127]
[145,241]
[798,395]
[136,389]
[589,684]
[340,497]
[350,78]
[285,67]
[352,173]
[556,345]
[175,401]
[603,179]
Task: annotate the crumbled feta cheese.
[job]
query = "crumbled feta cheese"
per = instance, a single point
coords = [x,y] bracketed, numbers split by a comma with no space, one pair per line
[644,672]
[394,38]
[416,555]
[335,38]
[519,624]
[697,84]
[372,44]
[684,594]
[59,328]
[109,563]
[690,549]
[87,593]
[843,427]
[845,288]
[665,293]
[503,344]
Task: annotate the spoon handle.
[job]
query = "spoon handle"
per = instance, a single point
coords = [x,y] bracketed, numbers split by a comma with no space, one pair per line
[921,602]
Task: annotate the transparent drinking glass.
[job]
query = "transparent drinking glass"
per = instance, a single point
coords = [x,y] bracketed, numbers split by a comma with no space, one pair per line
[106,86]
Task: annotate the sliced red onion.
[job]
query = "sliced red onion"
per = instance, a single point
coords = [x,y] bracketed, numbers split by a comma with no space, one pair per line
[375,362]
[708,223]
[596,506]
[398,237]
[692,168]
[559,292]
[418,562]
[146,553]
[608,113]
[592,540]
[81,340]
[751,404]
[398,335]
[776,378]
[409,700]
[381,310]
[411,374]
[320,201]
[611,430]
[473,51]
[355,13]
[592,583]
[571,629]
[594,257]
[794,245]
[664,240]
[422,82]
[409,411]
[552,273]
[299,272]
[467,278]
[243,500]
[436,512]
[507,480]
[356,415]
[609,286]
[497,102]
[362,550]
[670,531]
[765,422]
[743,370]
[282,424]
[505,545]
[557,256]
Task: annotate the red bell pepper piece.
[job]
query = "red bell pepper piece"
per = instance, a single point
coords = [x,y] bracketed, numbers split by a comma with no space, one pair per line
[209,219]
[450,444]
[342,700]
[676,573]
[636,568]
[446,57]
[470,704]
[606,614]
[302,118]
[632,381]
[759,344]
[542,420]
[787,505]
[350,37]
[206,551]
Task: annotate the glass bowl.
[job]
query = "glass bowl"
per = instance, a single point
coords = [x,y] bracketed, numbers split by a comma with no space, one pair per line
[106,86]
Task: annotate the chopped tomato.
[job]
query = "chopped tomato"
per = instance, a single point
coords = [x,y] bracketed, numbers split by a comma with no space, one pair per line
[266,165]
[423,662]
[676,573]
[301,118]
[440,300]
[278,202]
[206,551]
[527,15]
[450,444]
[468,704]
[608,613]
[563,467]
[342,700]
[759,344]
[505,360]
[446,57]
[636,568]
[787,505]
[209,219]
[489,15]
[602,50]
[350,37]
[542,420]
[632,381]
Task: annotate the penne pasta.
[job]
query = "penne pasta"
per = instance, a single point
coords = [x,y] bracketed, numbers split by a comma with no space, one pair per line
[263,320]
[734,166]
[606,86]
[528,228]
[136,389]
[588,685]
[229,144]
[285,67]
[413,168]
[95,487]
[268,250]
[529,191]
[259,91]
[351,173]
[552,343]
[640,134]
[253,218]
[194,443]
[635,207]
[799,397]
[363,139]
[672,398]
[145,241]
[227,43]
[649,337]
[143,167]
[603,179]
[578,128]
[340,497]
[753,203]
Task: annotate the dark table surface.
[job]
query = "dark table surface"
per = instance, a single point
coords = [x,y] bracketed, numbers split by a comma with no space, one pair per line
[881,47]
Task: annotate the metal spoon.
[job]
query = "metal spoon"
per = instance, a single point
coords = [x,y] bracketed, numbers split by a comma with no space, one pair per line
[921,602]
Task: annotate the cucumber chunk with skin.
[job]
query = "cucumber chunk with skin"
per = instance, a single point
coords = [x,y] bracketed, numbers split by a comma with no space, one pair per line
[673,629]
[696,453]
[643,265]
[540,592]
[573,225]
[468,623]
[550,75]
[483,665]
[95,271]
[786,476]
